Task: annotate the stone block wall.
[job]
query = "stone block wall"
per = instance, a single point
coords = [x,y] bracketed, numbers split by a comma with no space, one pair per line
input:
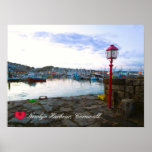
[125,89]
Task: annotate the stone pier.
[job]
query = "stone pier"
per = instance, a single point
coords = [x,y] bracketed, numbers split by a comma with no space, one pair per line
[76,111]
[128,96]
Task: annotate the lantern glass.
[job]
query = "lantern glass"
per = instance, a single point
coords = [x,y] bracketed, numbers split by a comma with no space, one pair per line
[114,54]
[109,54]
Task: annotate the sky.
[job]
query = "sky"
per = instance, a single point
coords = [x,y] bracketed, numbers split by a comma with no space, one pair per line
[76,46]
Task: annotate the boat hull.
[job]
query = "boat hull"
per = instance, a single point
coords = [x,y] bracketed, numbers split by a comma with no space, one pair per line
[36,80]
[93,78]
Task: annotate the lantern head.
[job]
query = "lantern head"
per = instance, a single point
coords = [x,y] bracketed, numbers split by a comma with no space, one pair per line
[111,52]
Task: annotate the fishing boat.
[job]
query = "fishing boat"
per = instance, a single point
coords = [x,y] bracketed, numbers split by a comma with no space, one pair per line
[77,77]
[33,78]
[100,79]
[98,76]
[36,79]
[93,78]
[14,79]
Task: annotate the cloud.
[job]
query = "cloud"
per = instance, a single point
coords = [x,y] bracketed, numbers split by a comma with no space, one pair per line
[75,40]
[131,54]
[136,64]
[72,49]
[23,35]
[97,44]
[41,34]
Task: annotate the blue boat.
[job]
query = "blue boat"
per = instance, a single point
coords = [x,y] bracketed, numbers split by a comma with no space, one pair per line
[93,78]
[77,77]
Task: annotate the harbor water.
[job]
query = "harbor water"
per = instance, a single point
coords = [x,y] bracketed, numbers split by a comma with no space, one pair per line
[53,88]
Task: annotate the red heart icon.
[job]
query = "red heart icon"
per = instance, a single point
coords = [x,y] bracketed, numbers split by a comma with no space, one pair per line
[19,115]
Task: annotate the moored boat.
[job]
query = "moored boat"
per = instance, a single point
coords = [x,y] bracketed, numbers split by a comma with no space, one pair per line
[93,78]
[100,79]
[33,78]
[14,79]
[78,78]
[98,76]
[36,79]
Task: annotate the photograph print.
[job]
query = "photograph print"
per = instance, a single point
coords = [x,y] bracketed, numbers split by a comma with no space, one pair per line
[75,76]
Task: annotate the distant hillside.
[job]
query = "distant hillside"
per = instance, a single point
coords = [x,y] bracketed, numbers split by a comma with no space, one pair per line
[15,67]
[19,67]
[47,68]
[24,68]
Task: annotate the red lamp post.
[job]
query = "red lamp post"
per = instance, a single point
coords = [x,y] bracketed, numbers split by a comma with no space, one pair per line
[111,53]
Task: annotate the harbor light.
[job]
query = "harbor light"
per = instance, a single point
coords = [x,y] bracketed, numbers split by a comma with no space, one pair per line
[111,53]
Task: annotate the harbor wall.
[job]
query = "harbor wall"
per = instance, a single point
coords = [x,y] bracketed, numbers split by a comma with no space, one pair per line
[127,95]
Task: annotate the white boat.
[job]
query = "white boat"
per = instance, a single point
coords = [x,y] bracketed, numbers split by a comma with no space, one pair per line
[100,79]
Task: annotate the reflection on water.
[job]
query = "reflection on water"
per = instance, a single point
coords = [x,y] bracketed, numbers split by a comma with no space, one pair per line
[53,88]
[33,83]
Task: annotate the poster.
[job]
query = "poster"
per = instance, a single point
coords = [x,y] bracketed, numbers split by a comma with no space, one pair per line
[58,75]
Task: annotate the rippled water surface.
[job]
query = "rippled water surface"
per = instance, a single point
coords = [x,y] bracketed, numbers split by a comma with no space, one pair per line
[53,88]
